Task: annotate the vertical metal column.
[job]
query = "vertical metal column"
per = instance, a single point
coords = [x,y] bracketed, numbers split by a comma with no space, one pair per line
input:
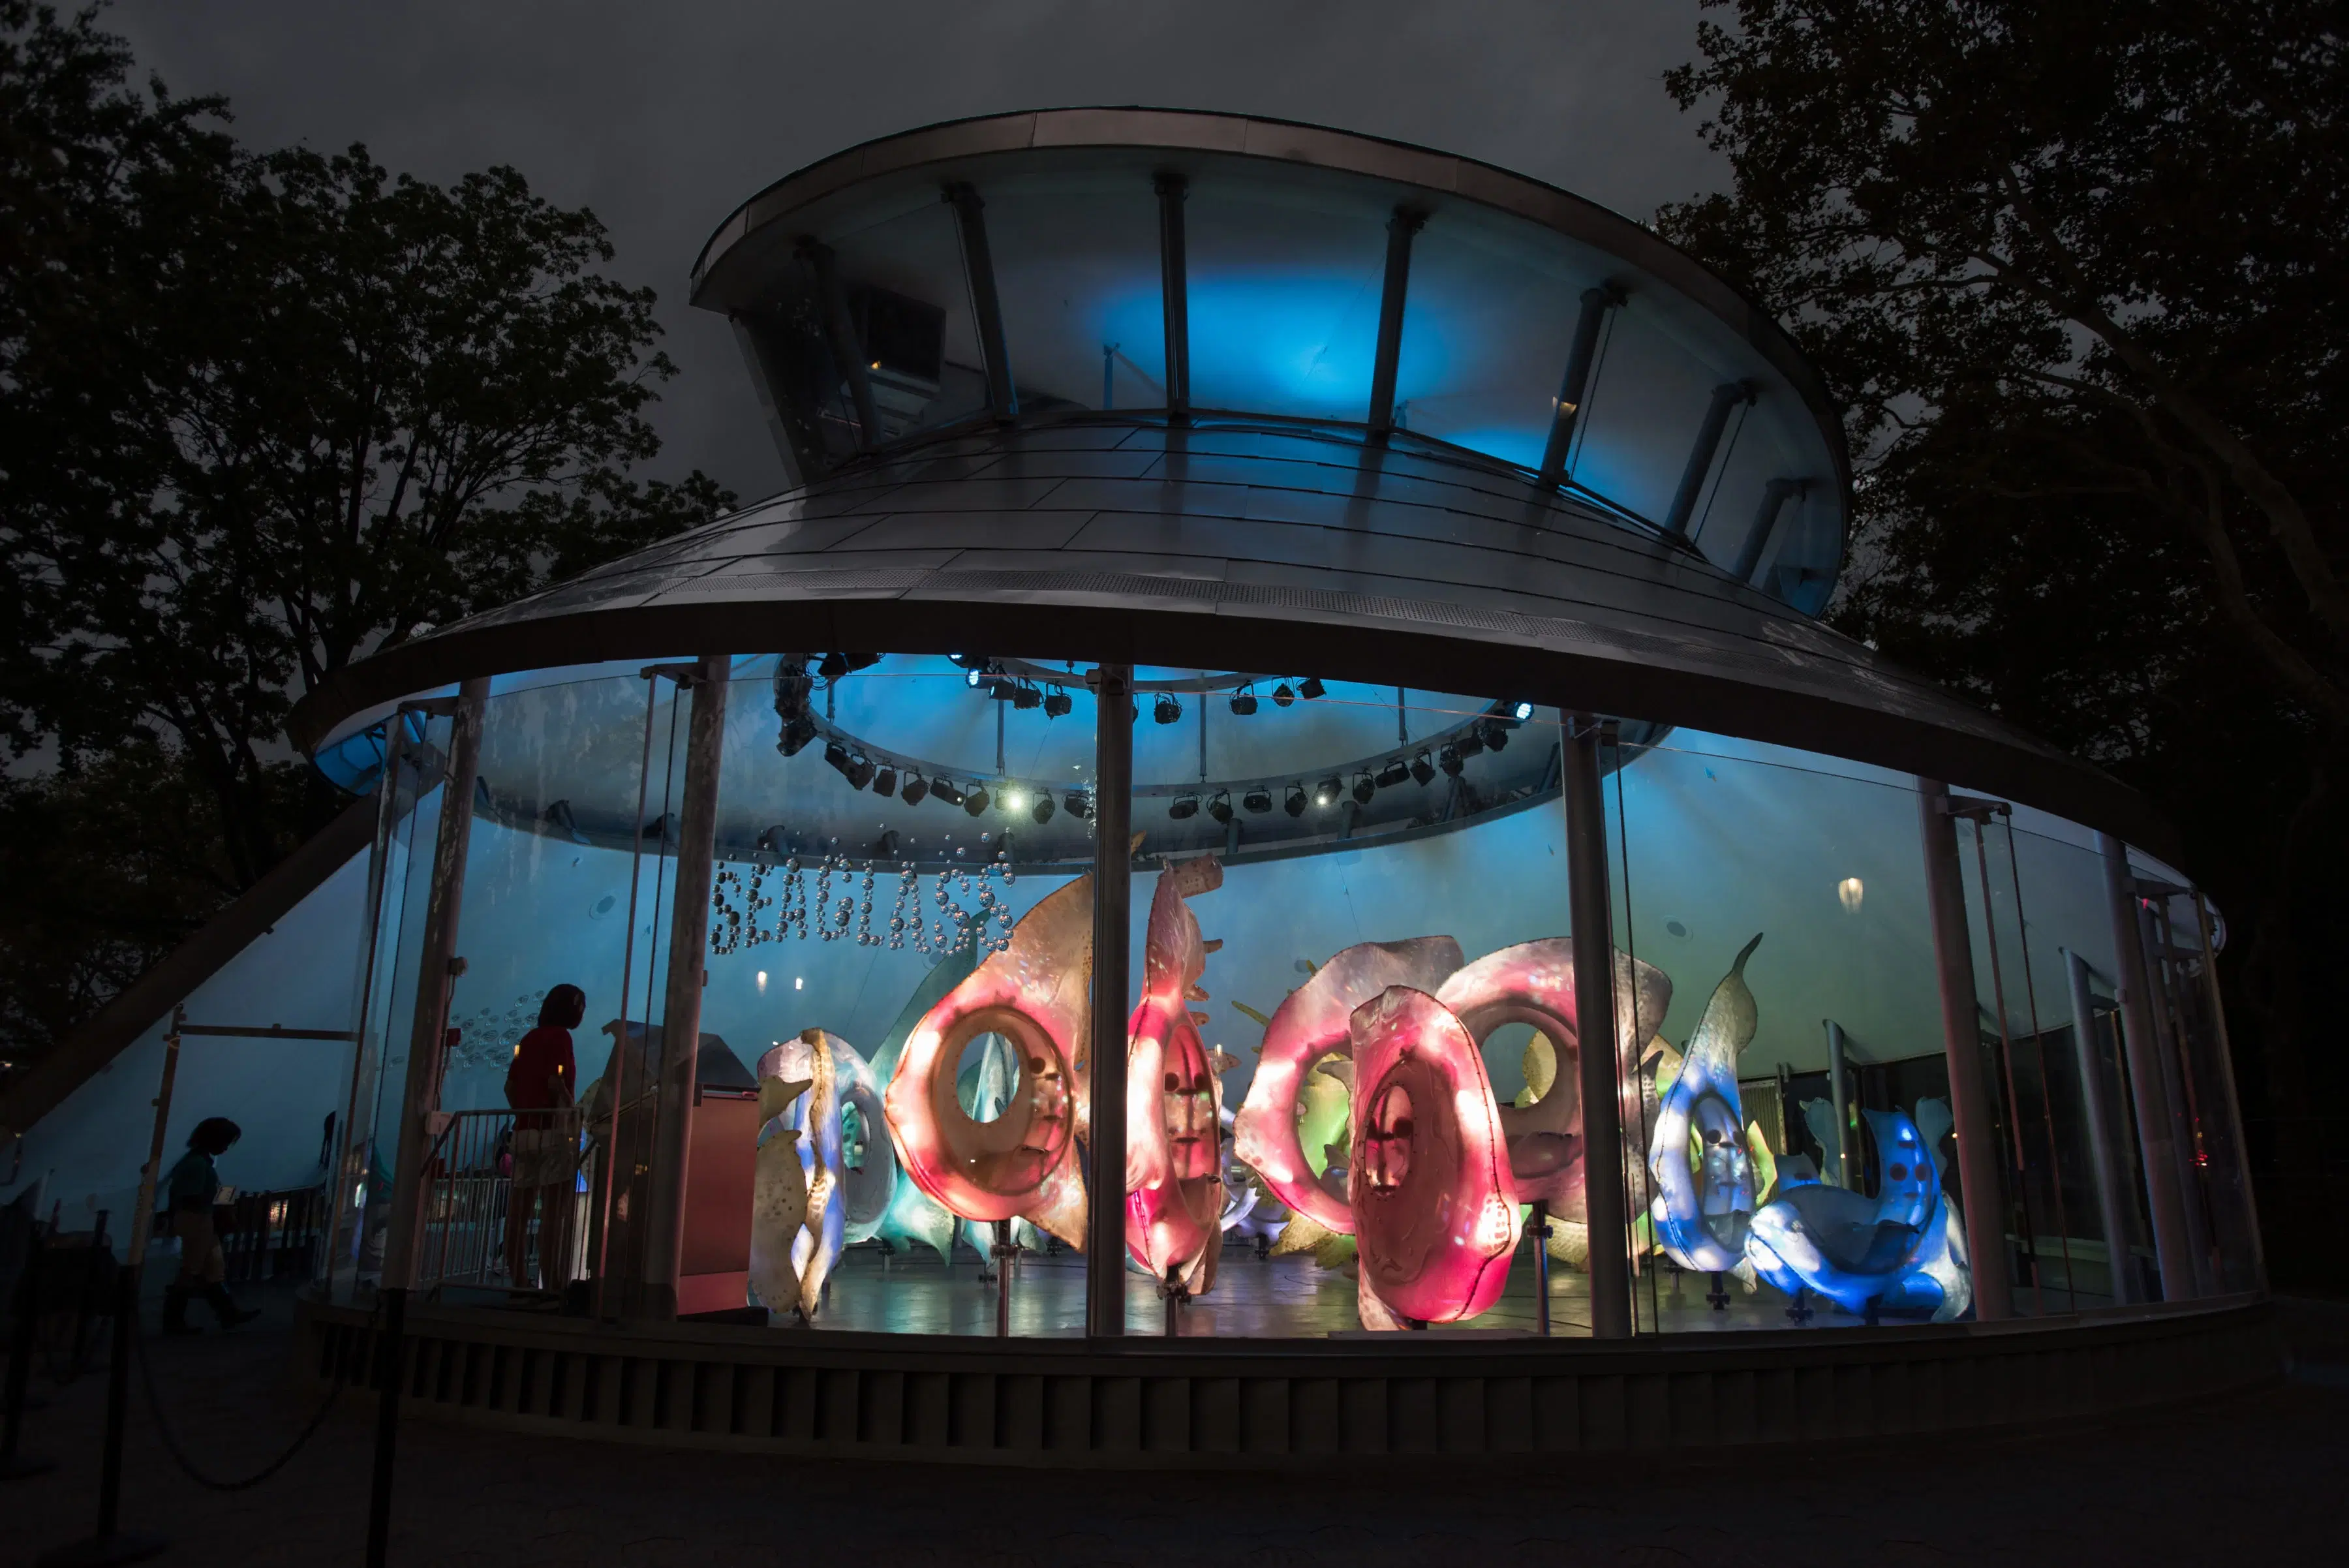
[1775,496]
[1175,295]
[840,336]
[985,305]
[1400,227]
[2165,1204]
[1839,1096]
[2102,1161]
[1977,1151]
[2233,1107]
[1599,1077]
[688,938]
[436,975]
[1573,390]
[1725,398]
[2168,1033]
[1112,864]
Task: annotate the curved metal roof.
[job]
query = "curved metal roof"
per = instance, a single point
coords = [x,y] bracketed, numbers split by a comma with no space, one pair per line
[1267,549]
[1046,290]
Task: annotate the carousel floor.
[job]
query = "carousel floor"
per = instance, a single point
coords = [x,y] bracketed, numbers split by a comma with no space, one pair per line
[1274,1298]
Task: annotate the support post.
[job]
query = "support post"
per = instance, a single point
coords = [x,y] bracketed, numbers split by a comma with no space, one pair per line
[1775,496]
[436,975]
[985,305]
[840,336]
[688,933]
[1401,228]
[1112,870]
[1839,1093]
[1978,1150]
[2102,1161]
[2157,1143]
[2169,1038]
[1599,1074]
[1539,1232]
[1574,390]
[1725,398]
[2226,1083]
[1175,292]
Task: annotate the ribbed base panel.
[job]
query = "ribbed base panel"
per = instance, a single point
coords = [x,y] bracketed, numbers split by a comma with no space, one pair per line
[1203,1403]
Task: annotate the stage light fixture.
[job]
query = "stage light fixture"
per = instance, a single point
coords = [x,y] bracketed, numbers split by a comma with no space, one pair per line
[1420,768]
[884,781]
[1219,806]
[1185,807]
[976,801]
[1521,712]
[1449,759]
[1326,792]
[1470,744]
[1496,734]
[917,787]
[835,757]
[798,731]
[860,772]
[946,791]
[1165,709]
[1013,799]
[1363,787]
[1294,802]
[1042,812]
[1056,703]
[1025,696]
[1258,799]
[833,666]
[973,677]
[1079,807]
[1311,688]
[1394,773]
[1002,688]
[1244,702]
[1282,696]
[967,661]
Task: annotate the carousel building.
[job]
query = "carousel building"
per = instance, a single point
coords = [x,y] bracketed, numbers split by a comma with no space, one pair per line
[1263,854]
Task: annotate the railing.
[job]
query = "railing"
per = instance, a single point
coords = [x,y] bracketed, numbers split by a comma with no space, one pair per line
[471,1209]
[268,1235]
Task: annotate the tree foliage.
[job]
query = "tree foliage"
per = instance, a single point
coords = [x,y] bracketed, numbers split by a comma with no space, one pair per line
[264,412]
[2080,275]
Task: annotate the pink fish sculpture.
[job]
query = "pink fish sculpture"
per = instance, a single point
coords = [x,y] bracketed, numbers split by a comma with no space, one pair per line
[1435,1208]
[1174,1122]
[1311,1024]
[1023,1164]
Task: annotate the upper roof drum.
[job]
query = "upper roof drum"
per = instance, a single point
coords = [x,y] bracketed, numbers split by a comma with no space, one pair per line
[1020,268]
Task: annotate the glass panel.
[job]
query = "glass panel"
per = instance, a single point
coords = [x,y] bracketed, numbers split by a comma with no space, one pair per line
[910,301]
[1647,398]
[1284,280]
[1076,264]
[1786,905]
[1298,856]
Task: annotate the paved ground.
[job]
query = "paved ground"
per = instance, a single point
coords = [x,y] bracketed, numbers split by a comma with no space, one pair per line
[2256,1478]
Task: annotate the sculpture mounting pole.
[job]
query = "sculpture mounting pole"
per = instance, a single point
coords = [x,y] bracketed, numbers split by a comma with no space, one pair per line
[1977,1151]
[1600,1072]
[1112,863]
[689,941]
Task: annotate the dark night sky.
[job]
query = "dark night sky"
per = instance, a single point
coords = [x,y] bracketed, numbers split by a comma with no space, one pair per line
[662,116]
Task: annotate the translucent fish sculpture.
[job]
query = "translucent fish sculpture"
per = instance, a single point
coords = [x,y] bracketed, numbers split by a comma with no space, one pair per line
[913,1215]
[1703,1180]
[813,1115]
[1858,1251]
[1311,1024]
[868,1178]
[1435,1208]
[1024,1163]
[1173,1147]
[1533,984]
[778,1194]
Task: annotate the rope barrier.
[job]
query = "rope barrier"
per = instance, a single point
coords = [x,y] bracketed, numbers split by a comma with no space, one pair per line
[179,1455]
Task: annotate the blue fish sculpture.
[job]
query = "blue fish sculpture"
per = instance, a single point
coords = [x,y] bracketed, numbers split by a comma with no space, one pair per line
[1698,1157]
[1890,1251]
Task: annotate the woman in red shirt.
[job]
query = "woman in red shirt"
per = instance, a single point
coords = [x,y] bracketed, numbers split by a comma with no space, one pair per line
[543,1080]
